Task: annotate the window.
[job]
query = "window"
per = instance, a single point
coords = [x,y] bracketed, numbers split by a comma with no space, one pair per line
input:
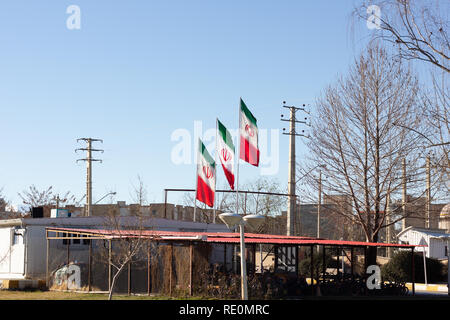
[65,241]
[17,238]
[446,251]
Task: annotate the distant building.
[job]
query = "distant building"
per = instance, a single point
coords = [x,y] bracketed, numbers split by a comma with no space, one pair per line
[416,212]
[333,224]
[155,210]
[444,218]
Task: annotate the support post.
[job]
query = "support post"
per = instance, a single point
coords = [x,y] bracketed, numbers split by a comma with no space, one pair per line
[149,274]
[254,258]
[352,262]
[244,293]
[171,269]
[413,273]
[337,263]
[191,268]
[68,251]
[47,281]
[165,204]
[404,193]
[225,257]
[109,266]
[448,266]
[312,269]
[90,265]
[129,277]
[324,263]
[428,204]
[319,204]
[291,212]
[261,261]
[276,258]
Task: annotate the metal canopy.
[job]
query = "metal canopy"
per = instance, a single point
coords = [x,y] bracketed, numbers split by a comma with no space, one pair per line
[71,233]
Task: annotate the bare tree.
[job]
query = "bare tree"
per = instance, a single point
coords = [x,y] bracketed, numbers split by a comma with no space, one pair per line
[263,204]
[249,203]
[129,236]
[418,28]
[129,239]
[36,198]
[33,197]
[436,106]
[354,139]
[419,31]
[140,192]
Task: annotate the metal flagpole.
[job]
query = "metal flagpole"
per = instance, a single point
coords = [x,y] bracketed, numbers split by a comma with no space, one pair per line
[238,142]
[244,292]
[196,181]
[215,184]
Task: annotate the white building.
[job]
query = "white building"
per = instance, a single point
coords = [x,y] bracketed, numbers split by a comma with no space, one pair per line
[23,245]
[435,241]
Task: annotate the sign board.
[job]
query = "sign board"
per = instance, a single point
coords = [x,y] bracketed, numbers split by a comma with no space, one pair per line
[59,213]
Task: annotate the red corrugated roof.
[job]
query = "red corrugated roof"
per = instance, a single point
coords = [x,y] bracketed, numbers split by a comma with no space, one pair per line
[225,237]
[309,242]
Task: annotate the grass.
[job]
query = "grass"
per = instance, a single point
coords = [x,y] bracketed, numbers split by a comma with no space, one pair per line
[58,295]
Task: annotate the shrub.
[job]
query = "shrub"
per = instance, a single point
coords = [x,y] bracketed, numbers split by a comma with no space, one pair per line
[305,264]
[398,269]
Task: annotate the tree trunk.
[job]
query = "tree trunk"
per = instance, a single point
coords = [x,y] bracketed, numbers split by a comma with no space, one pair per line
[113,282]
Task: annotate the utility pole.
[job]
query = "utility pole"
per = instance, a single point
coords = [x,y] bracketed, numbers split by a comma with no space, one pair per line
[319,205]
[388,225]
[428,204]
[89,160]
[291,212]
[404,194]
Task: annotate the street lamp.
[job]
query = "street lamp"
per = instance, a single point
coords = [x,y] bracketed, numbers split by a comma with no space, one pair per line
[110,193]
[251,220]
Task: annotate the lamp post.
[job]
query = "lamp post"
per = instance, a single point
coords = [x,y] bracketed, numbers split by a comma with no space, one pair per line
[110,193]
[253,221]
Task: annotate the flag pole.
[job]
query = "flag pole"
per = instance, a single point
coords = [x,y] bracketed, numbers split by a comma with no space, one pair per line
[196,182]
[215,185]
[238,142]
[244,285]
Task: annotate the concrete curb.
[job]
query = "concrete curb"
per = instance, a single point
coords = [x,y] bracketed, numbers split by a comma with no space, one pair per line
[418,286]
[428,287]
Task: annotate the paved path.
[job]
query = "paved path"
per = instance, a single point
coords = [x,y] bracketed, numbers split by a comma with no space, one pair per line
[430,288]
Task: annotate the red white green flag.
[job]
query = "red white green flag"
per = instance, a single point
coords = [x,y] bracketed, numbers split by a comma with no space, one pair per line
[248,130]
[206,176]
[225,150]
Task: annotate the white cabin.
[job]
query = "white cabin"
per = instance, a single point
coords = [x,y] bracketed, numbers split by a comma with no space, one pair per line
[23,245]
[435,240]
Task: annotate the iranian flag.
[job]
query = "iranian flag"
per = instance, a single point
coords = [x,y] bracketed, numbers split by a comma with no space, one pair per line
[206,176]
[248,130]
[225,150]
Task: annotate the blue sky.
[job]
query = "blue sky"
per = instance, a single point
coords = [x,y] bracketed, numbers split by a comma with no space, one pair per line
[137,71]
